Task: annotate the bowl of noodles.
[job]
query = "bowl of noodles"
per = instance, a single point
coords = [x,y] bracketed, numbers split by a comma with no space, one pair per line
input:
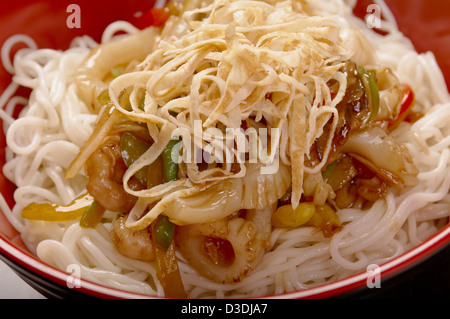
[222,149]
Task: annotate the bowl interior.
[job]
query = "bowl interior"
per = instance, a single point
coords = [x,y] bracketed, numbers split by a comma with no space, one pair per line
[426,23]
[46,23]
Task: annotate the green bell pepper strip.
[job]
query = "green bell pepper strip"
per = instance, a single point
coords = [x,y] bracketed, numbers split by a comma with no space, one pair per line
[373,96]
[115,72]
[103,97]
[133,148]
[328,171]
[165,229]
[170,166]
[92,216]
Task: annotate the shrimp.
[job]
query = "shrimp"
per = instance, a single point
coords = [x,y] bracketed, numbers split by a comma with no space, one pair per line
[136,244]
[105,169]
[225,251]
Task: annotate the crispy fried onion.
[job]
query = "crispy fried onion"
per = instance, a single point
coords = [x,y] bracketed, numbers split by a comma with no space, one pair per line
[239,61]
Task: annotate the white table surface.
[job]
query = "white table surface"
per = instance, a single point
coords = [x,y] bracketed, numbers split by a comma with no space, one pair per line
[14,287]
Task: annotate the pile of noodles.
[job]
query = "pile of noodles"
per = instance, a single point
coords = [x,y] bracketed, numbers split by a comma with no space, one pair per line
[245,50]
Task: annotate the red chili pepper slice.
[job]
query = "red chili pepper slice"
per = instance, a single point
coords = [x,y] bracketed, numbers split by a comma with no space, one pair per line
[407,103]
[153,17]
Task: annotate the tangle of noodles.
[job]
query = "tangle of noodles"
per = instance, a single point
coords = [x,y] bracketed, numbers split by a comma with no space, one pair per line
[58,118]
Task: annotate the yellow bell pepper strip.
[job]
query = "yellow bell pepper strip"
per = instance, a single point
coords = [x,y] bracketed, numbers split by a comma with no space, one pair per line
[92,216]
[287,216]
[373,96]
[132,148]
[56,213]
[326,220]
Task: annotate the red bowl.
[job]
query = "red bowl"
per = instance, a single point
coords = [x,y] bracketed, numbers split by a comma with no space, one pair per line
[426,23]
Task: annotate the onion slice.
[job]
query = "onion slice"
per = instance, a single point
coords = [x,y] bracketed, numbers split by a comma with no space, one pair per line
[105,122]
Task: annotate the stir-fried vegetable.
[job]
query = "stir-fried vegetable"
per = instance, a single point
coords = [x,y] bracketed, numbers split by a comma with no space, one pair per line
[93,215]
[407,104]
[167,268]
[164,227]
[287,216]
[339,172]
[106,121]
[307,213]
[164,231]
[329,170]
[326,220]
[103,98]
[116,71]
[132,148]
[56,213]
[153,17]
[380,153]
[170,166]
[373,96]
